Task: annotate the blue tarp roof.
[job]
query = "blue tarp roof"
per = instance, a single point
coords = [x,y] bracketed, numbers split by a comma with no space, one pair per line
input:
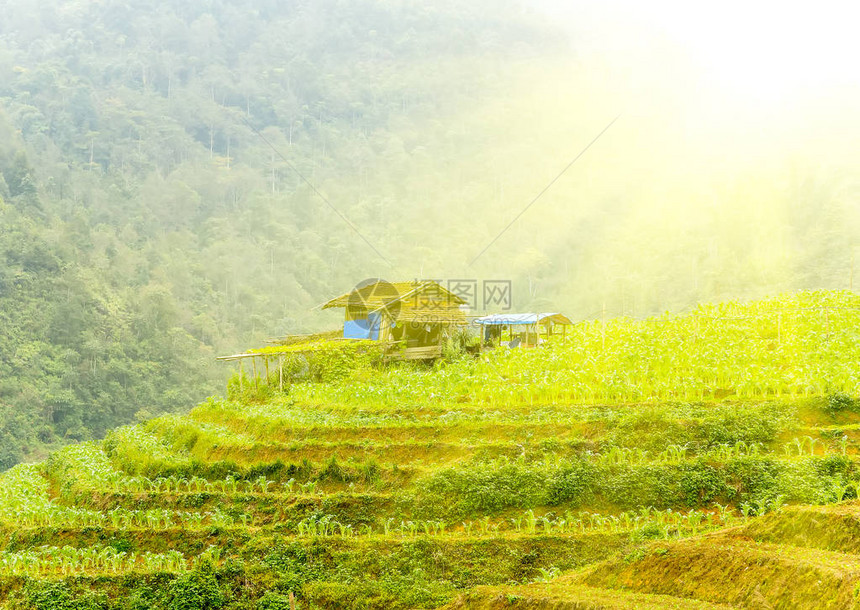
[514,319]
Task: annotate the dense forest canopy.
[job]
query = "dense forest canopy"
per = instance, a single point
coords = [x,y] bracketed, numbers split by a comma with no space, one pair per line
[152,217]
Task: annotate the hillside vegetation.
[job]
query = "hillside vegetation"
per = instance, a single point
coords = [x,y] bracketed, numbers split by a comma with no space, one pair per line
[803,557]
[147,225]
[801,345]
[370,501]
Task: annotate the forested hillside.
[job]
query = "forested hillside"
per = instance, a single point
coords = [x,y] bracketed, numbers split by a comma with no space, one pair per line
[145,226]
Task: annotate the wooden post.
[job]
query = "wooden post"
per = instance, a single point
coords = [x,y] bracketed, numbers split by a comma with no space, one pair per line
[384,329]
[281,373]
[256,381]
[241,375]
[266,360]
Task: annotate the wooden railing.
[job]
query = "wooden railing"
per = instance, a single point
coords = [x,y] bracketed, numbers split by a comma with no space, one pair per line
[417,353]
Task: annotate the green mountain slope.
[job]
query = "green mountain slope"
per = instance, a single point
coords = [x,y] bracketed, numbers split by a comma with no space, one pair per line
[408,500]
[147,227]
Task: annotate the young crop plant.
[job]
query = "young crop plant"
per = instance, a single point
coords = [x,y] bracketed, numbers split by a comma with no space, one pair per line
[711,352]
[81,467]
[726,452]
[263,484]
[840,491]
[531,521]
[548,574]
[51,561]
[135,451]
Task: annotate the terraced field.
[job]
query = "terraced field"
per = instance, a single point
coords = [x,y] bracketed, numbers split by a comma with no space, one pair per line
[801,557]
[408,509]
[663,503]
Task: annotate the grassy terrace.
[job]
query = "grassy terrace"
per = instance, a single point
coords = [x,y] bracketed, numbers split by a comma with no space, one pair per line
[489,483]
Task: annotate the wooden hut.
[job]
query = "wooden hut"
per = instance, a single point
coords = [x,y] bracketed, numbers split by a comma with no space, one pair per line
[413,317]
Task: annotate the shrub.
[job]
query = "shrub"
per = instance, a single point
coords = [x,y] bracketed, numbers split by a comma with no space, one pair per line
[571,484]
[58,596]
[489,489]
[459,344]
[272,470]
[834,465]
[141,598]
[650,531]
[292,563]
[753,477]
[274,601]
[699,484]
[647,485]
[837,403]
[651,428]
[730,424]
[197,590]
[810,480]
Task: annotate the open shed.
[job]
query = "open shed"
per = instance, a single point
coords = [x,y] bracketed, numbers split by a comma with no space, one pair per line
[522,328]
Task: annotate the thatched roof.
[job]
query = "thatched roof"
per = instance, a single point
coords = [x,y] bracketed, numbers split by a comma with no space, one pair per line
[428,295]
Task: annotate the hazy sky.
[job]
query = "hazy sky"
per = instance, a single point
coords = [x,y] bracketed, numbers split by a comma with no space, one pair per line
[761,52]
[741,78]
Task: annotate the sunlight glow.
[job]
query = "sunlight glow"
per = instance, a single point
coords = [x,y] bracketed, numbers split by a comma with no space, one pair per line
[759,52]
